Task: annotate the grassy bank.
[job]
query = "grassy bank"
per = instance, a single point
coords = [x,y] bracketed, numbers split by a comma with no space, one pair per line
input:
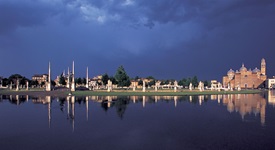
[160,93]
[35,92]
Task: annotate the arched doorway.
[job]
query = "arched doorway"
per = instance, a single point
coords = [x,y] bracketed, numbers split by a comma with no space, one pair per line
[245,85]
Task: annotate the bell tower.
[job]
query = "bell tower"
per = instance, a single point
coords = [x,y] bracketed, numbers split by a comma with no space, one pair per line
[263,67]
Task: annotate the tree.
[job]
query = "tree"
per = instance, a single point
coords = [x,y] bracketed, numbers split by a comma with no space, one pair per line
[136,78]
[150,77]
[188,81]
[140,82]
[42,84]
[22,80]
[195,81]
[121,77]
[84,80]
[5,82]
[14,77]
[206,83]
[62,79]
[105,78]
[153,82]
[53,83]
[34,83]
[113,80]
[183,82]
[78,81]
[166,82]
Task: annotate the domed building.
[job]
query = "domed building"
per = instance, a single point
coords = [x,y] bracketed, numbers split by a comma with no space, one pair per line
[245,78]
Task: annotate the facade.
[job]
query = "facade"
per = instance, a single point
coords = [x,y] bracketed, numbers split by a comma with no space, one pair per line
[40,78]
[214,84]
[244,78]
[270,83]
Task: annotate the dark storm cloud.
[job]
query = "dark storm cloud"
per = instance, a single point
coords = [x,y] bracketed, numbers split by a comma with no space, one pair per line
[23,13]
[163,38]
[136,12]
[210,13]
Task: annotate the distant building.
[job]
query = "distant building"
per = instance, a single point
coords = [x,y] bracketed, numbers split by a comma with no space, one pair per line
[1,82]
[40,78]
[98,79]
[245,78]
[134,83]
[270,83]
[214,84]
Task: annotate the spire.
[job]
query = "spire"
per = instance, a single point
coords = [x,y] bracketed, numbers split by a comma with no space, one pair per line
[263,67]
[68,78]
[49,79]
[73,67]
[48,84]
[87,78]
[73,83]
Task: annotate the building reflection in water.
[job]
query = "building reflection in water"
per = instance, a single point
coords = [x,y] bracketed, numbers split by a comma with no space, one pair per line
[246,104]
[15,99]
[143,101]
[87,108]
[175,100]
[271,97]
[242,103]
[45,101]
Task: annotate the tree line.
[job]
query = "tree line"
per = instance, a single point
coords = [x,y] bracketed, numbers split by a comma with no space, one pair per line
[120,78]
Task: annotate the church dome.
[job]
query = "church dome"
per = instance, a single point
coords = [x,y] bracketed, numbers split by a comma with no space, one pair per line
[256,70]
[230,71]
[243,68]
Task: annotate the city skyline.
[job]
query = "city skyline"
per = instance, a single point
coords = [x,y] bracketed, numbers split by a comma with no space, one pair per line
[164,39]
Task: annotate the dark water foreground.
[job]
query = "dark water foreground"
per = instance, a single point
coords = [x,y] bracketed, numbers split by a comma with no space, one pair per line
[241,121]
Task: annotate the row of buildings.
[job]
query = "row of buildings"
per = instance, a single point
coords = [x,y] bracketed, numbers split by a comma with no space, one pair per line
[248,79]
[243,78]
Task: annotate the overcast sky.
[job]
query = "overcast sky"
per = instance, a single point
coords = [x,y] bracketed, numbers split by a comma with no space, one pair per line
[162,38]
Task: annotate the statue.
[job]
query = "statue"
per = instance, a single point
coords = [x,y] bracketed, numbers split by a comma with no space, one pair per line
[219,86]
[143,87]
[190,86]
[87,78]
[134,86]
[73,81]
[17,85]
[201,86]
[109,85]
[68,79]
[48,83]
[11,85]
[27,85]
[239,87]
[175,86]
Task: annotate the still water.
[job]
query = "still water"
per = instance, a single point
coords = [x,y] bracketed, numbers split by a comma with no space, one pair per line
[243,121]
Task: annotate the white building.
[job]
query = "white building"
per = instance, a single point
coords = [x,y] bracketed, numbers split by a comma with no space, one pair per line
[270,83]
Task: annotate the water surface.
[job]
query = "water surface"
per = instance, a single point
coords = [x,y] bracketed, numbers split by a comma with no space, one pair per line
[241,121]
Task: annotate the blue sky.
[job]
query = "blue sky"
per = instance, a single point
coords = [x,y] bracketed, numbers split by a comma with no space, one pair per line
[162,38]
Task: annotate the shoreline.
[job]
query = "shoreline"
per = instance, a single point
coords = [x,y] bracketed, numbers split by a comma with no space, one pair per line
[126,93]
